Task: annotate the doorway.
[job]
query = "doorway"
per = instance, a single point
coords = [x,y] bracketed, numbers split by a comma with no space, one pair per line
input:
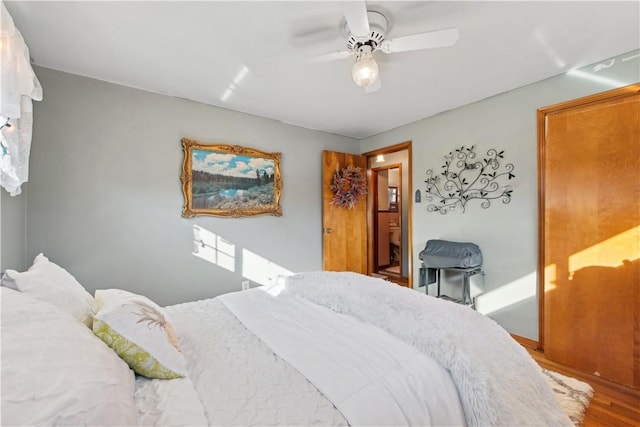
[387,219]
[389,214]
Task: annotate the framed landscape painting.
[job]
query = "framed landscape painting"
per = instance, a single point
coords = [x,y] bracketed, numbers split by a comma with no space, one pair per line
[229,180]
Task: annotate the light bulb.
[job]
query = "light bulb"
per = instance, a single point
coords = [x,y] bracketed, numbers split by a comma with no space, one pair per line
[365,70]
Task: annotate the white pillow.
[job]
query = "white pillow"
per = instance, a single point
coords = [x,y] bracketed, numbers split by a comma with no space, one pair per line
[140,332]
[47,281]
[56,372]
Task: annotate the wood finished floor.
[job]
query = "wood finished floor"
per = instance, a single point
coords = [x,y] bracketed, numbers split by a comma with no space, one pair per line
[612,404]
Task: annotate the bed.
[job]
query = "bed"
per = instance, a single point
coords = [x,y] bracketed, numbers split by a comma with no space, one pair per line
[316,348]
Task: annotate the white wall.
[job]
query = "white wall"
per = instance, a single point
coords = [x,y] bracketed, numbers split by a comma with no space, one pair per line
[105,197]
[507,234]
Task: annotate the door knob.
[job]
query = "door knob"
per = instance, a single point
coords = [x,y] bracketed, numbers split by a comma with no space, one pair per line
[328,230]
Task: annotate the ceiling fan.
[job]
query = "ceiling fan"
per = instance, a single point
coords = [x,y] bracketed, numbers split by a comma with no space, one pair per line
[367,35]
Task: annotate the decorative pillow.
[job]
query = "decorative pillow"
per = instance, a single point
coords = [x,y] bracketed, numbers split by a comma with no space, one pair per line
[47,281]
[140,332]
[55,371]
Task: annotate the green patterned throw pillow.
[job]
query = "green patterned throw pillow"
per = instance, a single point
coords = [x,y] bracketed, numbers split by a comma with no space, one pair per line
[140,333]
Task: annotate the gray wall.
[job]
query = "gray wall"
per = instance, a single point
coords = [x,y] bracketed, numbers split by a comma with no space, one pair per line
[13,230]
[105,197]
[507,234]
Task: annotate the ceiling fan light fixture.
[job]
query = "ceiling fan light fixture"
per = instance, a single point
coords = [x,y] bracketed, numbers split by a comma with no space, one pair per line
[365,70]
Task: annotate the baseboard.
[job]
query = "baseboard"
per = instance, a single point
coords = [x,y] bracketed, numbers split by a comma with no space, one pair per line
[594,380]
[527,342]
[538,354]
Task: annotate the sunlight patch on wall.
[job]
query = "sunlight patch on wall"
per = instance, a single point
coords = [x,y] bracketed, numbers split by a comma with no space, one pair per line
[260,270]
[213,248]
[507,295]
[608,253]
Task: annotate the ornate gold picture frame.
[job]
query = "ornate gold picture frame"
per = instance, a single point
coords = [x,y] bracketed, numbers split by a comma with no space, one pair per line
[229,180]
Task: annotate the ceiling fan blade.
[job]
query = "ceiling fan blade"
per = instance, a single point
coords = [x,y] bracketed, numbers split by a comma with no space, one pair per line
[355,12]
[374,87]
[432,39]
[333,56]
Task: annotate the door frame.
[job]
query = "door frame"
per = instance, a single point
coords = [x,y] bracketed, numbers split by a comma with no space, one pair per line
[370,217]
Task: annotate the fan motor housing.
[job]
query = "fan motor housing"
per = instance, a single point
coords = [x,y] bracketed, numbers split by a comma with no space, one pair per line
[378,30]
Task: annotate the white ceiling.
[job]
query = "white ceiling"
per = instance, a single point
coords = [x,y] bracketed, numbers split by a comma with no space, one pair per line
[196,50]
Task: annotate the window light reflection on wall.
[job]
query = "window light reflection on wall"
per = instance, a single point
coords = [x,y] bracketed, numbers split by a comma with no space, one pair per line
[213,248]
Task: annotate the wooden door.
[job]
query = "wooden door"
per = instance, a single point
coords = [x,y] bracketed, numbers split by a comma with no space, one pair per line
[344,231]
[590,234]
[383,258]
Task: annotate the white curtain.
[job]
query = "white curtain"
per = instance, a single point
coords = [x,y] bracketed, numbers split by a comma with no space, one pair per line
[18,87]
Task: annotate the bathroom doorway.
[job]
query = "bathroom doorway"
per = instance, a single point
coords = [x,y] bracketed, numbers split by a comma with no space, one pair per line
[389,213]
[388,220]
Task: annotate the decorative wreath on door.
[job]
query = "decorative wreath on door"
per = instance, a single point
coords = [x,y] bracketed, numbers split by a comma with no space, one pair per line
[348,185]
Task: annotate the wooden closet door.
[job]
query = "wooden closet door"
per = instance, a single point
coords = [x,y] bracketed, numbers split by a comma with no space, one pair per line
[590,234]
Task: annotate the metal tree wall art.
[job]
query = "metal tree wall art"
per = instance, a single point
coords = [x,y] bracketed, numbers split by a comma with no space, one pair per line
[464,179]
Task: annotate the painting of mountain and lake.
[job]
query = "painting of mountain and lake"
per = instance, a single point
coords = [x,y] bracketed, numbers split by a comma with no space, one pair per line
[230,180]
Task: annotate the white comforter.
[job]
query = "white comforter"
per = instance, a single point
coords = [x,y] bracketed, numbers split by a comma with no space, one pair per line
[235,377]
[273,358]
[268,357]
[372,377]
[499,383]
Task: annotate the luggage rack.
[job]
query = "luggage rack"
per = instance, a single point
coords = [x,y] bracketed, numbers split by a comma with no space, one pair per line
[466,286]
[443,255]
